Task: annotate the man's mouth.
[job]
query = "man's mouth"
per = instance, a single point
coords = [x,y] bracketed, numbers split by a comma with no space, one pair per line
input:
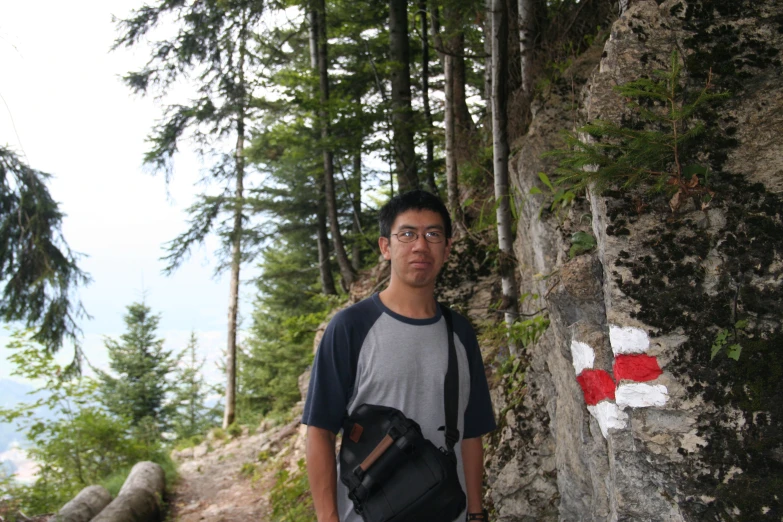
[420,263]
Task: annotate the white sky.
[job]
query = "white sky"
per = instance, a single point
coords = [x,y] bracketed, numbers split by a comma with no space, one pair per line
[76,120]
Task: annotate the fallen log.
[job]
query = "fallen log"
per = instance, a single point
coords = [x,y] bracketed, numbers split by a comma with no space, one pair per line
[83,507]
[141,497]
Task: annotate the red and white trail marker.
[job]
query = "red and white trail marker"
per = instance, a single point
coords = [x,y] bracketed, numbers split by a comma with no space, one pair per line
[606,395]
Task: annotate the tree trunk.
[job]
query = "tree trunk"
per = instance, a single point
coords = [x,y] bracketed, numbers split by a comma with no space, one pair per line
[448,59]
[623,6]
[448,121]
[318,19]
[229,414]
[425,97]
[464,127]
[526,20]
[140,499]
[324,262]
[85,506]
[488,53]
[356,194]
[402,112]
[500,157]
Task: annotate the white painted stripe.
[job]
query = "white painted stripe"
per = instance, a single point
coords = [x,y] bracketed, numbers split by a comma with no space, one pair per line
[583,356]
[627,339]
[608,416]
[641,395]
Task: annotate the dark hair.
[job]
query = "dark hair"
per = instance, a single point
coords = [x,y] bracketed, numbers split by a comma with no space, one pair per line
[412,200]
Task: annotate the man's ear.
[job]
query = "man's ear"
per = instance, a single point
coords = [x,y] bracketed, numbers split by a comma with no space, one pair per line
[448,249]
[383,244]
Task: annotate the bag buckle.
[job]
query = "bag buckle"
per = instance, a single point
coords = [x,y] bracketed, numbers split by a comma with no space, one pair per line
[452,436]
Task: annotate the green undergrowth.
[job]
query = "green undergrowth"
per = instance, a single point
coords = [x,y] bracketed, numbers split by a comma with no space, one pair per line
[290,495]
[189,442]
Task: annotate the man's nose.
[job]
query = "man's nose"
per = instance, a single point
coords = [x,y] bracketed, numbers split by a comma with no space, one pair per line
[421,243]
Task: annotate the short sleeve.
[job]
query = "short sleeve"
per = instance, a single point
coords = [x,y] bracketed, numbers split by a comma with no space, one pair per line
[332,379]
[479,415]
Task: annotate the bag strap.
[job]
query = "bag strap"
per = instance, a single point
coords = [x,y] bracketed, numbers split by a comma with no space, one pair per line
[451,385]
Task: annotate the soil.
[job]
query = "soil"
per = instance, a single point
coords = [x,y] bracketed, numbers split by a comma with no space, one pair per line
[230,480]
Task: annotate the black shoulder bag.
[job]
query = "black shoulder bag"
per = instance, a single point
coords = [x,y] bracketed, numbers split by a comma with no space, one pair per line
[392,472]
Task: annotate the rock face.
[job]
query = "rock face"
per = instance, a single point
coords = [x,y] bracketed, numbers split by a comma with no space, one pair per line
[625,415]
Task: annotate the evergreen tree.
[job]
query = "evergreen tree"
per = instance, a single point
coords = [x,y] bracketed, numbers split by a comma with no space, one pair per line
[288,311]
[213,47]
[38,270]
[138,385]
[190,415]
[319,45]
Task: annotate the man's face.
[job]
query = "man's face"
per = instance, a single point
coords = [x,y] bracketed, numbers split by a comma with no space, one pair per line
[416,264]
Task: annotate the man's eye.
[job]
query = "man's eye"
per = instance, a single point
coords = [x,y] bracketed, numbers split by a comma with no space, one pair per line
[408,234]
[434,234]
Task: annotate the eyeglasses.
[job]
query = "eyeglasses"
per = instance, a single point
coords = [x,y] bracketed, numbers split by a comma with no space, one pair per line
[431,236]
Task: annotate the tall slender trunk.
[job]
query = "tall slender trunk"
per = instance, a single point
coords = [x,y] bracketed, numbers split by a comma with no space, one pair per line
[488,53]
[464,126]
[448,121]
[500,150]
[526,19]
[448,59]
[324,261]
[229,413]
[356,194]
[425,97]
[402,112]
[318,19]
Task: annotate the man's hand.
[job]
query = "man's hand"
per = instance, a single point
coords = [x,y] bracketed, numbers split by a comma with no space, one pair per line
[473,465]
[322,472]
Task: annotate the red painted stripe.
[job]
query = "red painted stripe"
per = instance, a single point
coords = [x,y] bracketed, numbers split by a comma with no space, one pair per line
[637,367]
[597,385]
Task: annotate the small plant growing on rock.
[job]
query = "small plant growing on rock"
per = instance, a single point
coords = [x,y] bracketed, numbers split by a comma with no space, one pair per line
[729,339]
[648,150]
[581,242]
[248,469]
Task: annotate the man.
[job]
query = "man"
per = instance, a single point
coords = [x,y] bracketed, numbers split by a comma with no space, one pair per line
[392,350]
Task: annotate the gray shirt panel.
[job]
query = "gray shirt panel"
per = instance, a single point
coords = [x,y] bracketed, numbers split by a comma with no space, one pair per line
[403,366]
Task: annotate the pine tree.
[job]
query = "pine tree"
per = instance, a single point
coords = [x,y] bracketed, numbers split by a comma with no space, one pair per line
[213,47]
[280,342]
[137,386]
[190,415]
[38,270]
[659,151]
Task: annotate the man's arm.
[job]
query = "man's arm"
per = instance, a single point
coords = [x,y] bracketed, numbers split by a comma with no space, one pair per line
[473,465]
[322,472]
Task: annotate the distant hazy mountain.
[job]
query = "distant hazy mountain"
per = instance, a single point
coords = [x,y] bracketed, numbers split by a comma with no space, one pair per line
[11,394]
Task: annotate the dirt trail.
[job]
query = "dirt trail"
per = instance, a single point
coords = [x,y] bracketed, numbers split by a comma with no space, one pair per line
[212,486]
